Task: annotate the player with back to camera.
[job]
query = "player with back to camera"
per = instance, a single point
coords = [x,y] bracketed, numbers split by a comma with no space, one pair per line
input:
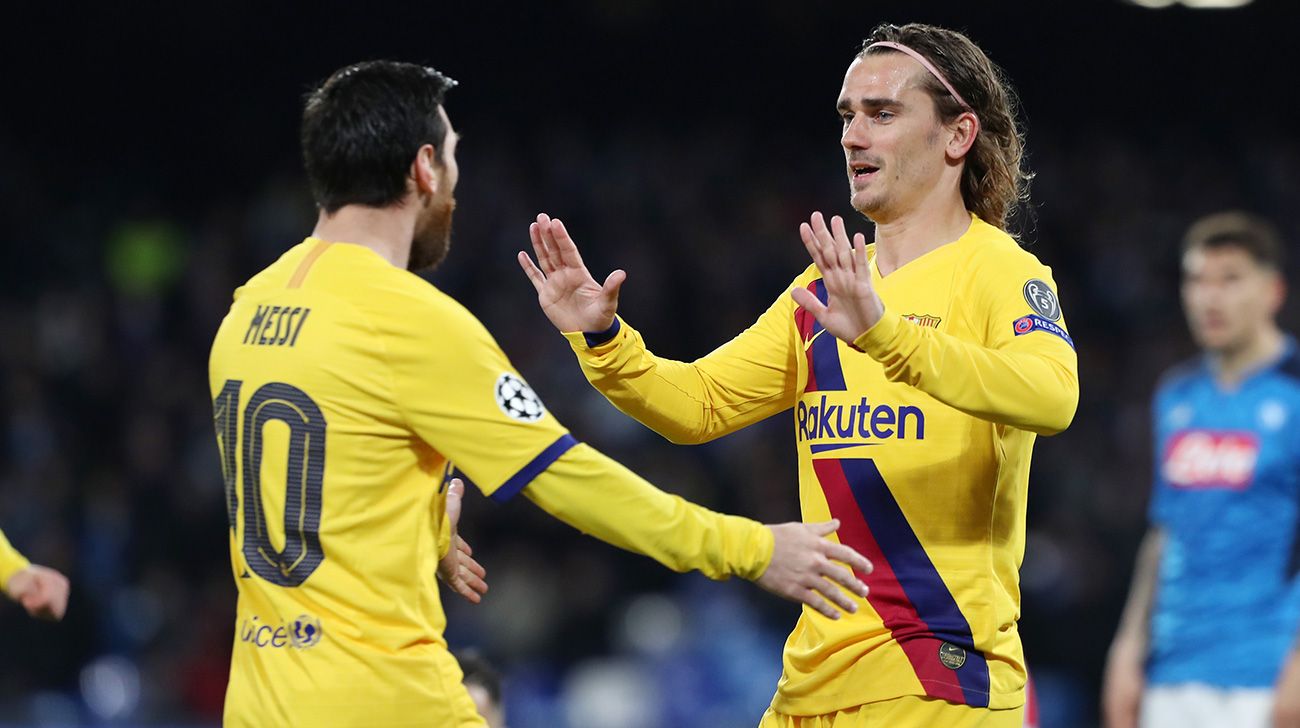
[920,368]
[42,591]
[343,388]
[1208,635]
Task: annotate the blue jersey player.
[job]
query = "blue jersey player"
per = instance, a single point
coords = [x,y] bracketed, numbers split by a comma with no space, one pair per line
[1208,636]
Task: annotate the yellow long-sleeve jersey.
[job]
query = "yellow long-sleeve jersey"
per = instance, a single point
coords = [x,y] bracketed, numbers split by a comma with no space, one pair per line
[917,437]
[11,562]
[343,389]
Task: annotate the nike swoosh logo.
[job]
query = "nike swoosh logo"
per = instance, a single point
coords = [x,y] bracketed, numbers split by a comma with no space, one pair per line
[807,344]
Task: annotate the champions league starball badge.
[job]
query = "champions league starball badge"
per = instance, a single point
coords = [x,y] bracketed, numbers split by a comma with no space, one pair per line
[517,399]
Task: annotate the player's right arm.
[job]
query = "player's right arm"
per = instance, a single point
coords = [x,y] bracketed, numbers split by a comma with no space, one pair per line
[459,394]
[1125,677]
[745,380]
[42,591]
[600,497]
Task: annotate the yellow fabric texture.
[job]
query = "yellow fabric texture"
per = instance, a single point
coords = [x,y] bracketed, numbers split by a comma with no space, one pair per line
[343,390]
[918,438]
[906,712]
[11,562]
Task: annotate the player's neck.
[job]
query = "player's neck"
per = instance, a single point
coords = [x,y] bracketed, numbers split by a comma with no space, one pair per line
[1231,366]
[902,240]
[387,231]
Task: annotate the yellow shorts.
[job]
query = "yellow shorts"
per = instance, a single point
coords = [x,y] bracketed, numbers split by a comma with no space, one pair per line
[910,711]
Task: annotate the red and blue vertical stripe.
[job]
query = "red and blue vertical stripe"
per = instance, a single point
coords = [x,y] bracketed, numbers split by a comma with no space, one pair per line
[906,589]
[824,371]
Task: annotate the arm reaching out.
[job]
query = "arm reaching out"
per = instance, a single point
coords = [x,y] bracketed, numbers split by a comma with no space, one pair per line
[597,496]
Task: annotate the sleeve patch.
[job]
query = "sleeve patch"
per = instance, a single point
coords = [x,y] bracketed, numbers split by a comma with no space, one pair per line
[1042,299]
[518,400]
[1026,324]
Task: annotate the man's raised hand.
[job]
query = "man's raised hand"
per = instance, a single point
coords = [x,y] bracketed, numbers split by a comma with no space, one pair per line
[569,296]
[852,305]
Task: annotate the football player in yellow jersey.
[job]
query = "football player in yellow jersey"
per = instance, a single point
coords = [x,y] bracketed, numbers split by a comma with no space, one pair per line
[919,368]
[42,591]
[344,388]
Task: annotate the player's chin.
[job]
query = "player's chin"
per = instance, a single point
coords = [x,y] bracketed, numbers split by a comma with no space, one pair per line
[1215,339]
[864,202]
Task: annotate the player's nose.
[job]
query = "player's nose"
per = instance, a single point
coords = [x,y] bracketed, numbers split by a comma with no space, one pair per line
[856,135]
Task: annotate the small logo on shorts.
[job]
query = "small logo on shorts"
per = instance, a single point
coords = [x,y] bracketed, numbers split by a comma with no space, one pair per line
[952,656]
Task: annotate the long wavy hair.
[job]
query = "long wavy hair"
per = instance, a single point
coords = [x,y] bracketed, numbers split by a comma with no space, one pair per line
[994,184]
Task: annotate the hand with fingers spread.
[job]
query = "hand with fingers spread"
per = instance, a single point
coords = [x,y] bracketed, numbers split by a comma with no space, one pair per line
[569,296]
[807,567]
[852,305]
[42,591]
[458,569]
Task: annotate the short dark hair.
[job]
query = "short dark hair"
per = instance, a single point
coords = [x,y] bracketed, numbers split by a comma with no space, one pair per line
[1236,229]
[478,671]
[362,127]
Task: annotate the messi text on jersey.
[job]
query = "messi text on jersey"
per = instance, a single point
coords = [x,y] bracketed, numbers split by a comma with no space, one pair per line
[276,325]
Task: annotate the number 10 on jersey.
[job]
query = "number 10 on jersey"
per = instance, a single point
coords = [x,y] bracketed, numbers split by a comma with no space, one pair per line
[303,477]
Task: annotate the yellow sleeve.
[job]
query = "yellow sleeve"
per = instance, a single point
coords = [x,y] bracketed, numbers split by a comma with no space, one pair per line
[600,497]
[11,562]
[459,393]
[748,379]
[1027,374]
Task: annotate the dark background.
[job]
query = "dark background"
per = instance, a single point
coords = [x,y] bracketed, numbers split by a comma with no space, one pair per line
[148,165]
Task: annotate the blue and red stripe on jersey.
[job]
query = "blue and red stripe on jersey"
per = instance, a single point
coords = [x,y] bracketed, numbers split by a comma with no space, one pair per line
[906,590]
[821,349]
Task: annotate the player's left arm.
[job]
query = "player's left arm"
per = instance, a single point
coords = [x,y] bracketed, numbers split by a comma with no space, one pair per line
[42,591]
[1286,701]
[1023,378]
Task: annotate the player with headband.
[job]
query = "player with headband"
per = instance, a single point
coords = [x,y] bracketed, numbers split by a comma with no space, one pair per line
[920,368]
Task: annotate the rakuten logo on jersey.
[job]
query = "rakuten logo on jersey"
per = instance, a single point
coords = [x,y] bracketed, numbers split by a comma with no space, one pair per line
[1200,459]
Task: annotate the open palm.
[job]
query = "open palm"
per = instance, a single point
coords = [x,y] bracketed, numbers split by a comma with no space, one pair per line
[569,296]
[852,305]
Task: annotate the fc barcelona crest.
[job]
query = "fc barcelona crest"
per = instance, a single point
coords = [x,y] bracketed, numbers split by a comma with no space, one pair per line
[923,319]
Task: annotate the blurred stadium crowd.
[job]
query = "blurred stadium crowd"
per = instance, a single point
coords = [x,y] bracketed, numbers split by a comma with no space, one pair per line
[108,469]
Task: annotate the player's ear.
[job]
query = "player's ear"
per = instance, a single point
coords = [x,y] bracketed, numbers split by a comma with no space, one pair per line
[964,129]
[1278,294]
[425,171]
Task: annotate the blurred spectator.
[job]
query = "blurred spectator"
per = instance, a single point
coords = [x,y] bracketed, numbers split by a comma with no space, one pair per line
[484,685]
